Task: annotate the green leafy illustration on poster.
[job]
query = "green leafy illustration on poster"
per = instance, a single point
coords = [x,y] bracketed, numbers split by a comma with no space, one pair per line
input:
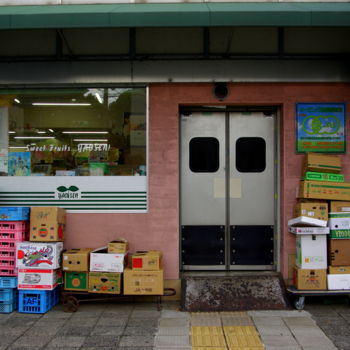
[320,127]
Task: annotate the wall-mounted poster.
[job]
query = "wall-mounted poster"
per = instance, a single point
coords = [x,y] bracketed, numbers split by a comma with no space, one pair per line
[320,127]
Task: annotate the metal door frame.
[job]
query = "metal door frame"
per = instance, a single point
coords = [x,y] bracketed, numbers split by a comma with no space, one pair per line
[227,110]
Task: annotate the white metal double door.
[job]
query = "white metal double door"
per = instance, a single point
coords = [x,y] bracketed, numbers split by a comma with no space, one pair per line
[228,190]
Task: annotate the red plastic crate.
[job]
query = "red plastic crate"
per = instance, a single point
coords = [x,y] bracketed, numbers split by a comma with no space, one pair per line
[12,236]
[13,226]
[8,271]
[8,254]
[7,263]
[8,245]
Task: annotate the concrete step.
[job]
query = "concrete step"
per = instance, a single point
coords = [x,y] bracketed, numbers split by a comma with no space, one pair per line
[239,291]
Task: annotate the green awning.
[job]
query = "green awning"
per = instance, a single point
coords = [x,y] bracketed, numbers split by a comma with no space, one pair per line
[175,15]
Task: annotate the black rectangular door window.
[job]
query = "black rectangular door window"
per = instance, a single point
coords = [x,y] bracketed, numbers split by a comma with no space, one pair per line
[204,155]
[250,154]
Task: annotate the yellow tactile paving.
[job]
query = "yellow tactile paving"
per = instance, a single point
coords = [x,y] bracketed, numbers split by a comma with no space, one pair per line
[204,330]
[205,314]
[239,341]
[240,330]
[208,340]
[234,313]
[208,348]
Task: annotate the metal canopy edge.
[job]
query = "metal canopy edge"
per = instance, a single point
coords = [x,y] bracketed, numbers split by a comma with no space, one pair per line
[175,15]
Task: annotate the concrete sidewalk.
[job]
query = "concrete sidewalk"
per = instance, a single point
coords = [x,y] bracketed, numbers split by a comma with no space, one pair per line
[139,326]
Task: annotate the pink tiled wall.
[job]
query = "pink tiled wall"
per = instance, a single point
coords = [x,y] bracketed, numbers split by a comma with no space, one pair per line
[159,228]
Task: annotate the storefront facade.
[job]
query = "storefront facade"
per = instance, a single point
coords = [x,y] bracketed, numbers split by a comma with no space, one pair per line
[122,157]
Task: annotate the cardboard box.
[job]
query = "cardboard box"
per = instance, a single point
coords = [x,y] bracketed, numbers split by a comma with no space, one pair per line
[339,206]
[338,270]
[76,281]
[38,279]
[315,210]
[326,163]
[104,282]
[39,255]
[316,176]
[309,230]
[119,245]
[301,221]
[339,224]
[47,224]
[76,259]
[339,252]
[311,251]
[338,282]
[101,261]
[146,260]
[305,279]
[325,190]
[140,282]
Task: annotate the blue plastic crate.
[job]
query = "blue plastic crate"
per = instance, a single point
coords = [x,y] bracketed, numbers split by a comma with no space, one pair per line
[14,213]
[8,282]
[8,294]
[7,307]
[37,302]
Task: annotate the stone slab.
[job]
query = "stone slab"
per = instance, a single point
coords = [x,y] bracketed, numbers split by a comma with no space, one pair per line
[172,341]
[136,341]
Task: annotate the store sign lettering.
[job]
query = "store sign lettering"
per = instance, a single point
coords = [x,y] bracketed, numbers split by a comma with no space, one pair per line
[71,192]
[83,147]
[52,148]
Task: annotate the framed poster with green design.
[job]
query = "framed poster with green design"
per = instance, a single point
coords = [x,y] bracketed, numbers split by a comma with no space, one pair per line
[320,127]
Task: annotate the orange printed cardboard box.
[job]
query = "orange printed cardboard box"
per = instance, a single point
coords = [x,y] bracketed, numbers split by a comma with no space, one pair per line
[310,279]
[146,260]
[140,282]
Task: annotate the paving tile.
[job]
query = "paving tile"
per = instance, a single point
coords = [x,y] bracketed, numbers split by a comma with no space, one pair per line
[172,341]
[13,330]
[205,315]
[268,320]
[82,321]
[279,313]
[6,340]
[173,322]
[172,348]
[214,322]
[141,322]
[299,321]
[241,330]
[66,341]
[173,330]
[31,341]
[136,341]
[236,321]
[320,347]
[139,330]
[206,331]
[145,314]
[107,330]
[111,321]
[209,348]
[101,340]
[75,331]
[135,348]
[279,341]
[233,314]
[208,340]
[174,314]
[273,330]
[239,341]
[295,347]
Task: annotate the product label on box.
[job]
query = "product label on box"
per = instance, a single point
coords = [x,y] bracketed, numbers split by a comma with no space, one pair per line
[340,234]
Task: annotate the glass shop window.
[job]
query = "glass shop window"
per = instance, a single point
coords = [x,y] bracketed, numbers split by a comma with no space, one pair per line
[250,154]
[73,132]
[204,154]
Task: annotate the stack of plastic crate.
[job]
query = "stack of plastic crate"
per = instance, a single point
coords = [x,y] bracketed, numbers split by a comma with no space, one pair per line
[13,229]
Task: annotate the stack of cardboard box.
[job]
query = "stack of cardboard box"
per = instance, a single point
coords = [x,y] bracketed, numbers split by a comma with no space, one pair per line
[145,276]
[321,190]
[39,259]
[106,267]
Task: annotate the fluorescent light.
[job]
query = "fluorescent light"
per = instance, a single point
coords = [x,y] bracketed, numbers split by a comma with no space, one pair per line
[12,132]
[18,147]
[17,100]
[84,132]
[90,140]
[51,130]
[99,99]
[34,137]
[41,132]
[59,104]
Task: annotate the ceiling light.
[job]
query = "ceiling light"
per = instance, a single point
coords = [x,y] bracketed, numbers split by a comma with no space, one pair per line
[18,147]
[17,100]
[90,140]
[41,132]
[51,130]
[84,132]
[34,137]
[12,132]
[99,99]
[60,104]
